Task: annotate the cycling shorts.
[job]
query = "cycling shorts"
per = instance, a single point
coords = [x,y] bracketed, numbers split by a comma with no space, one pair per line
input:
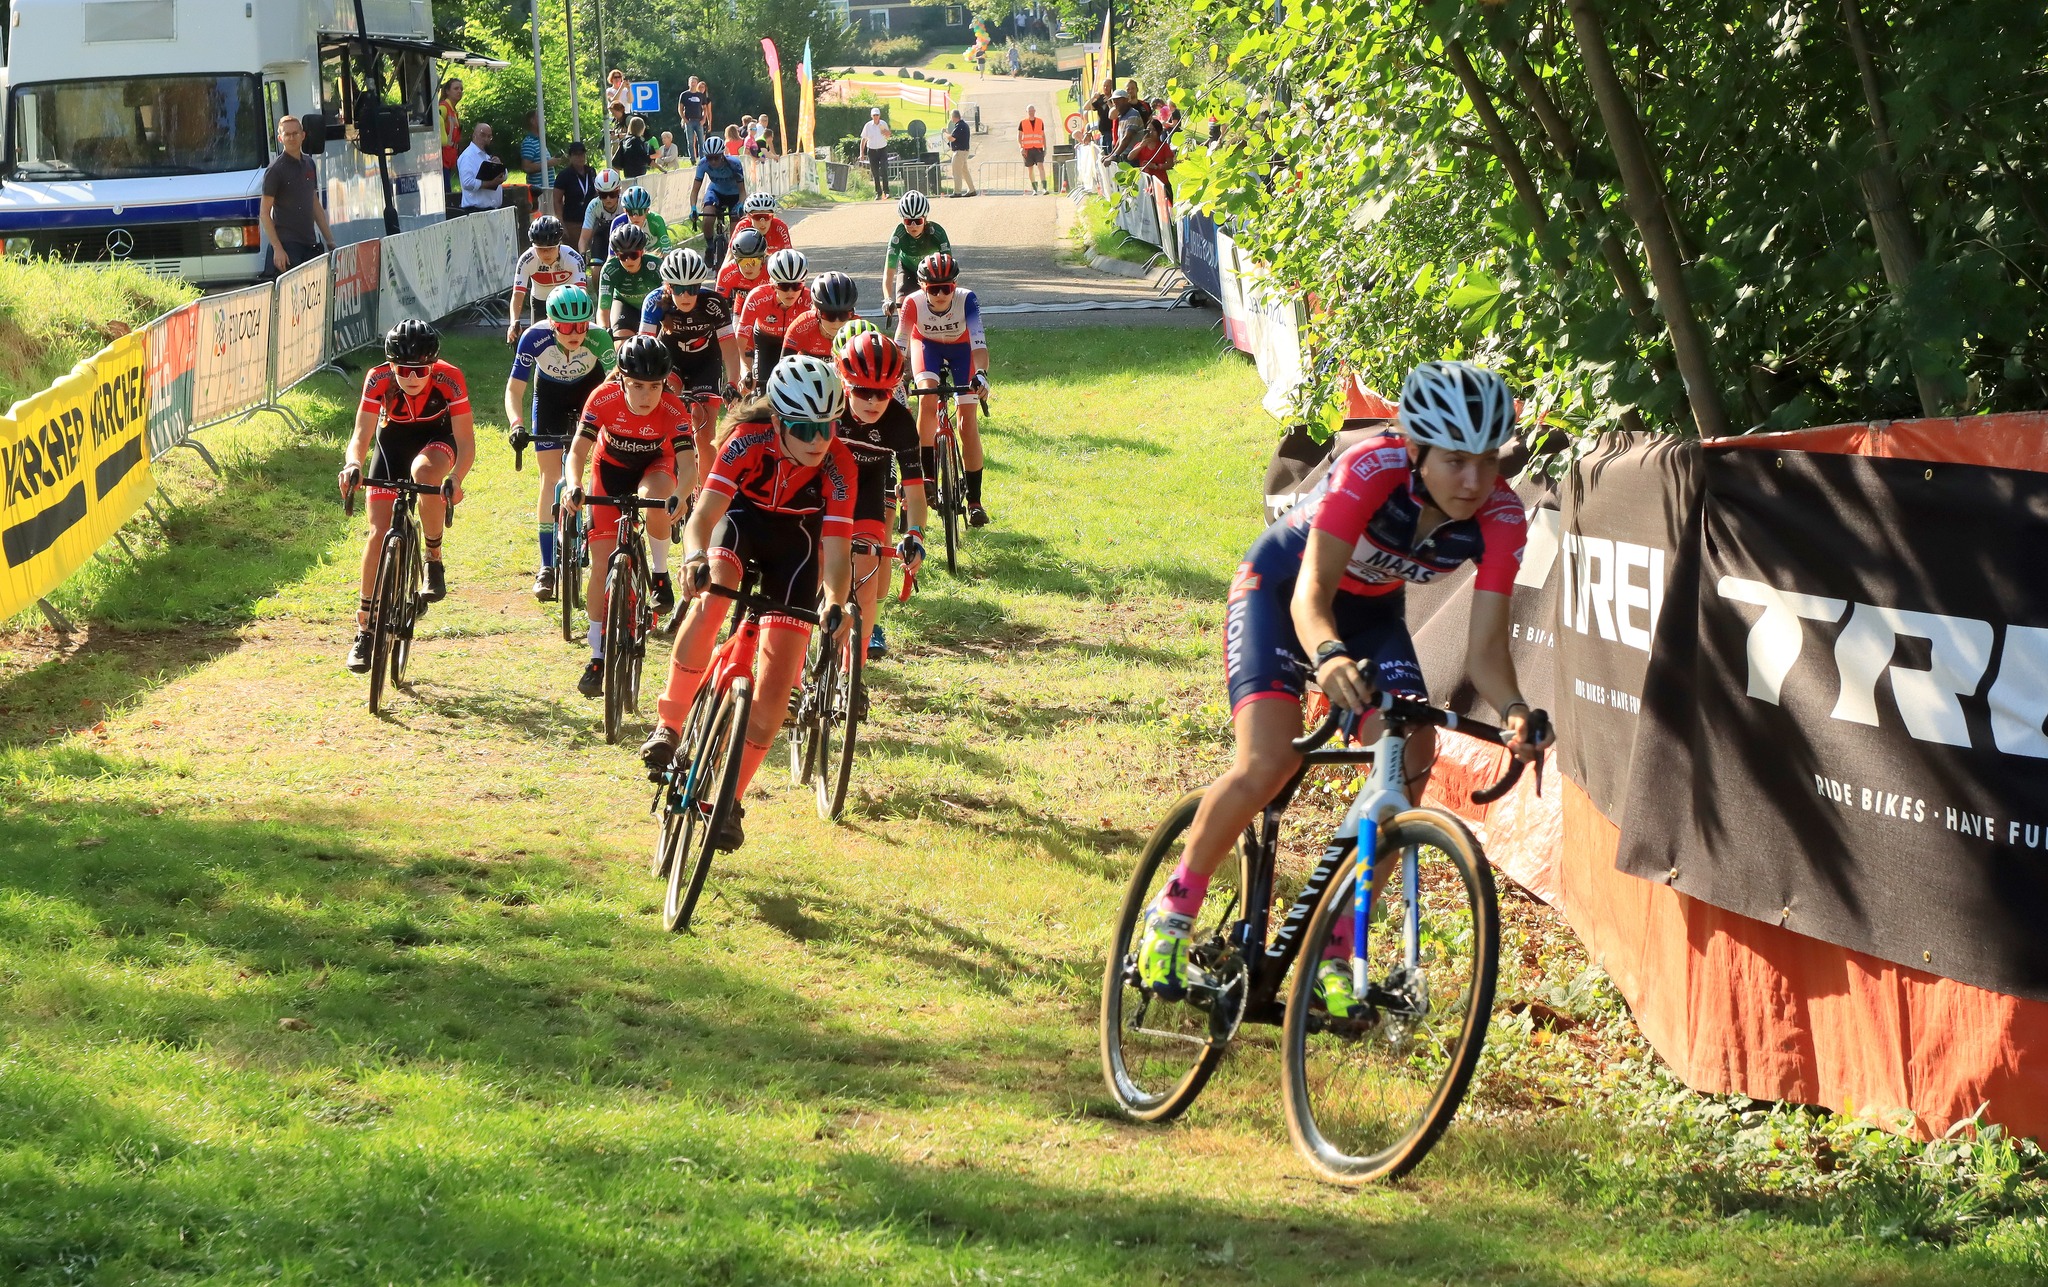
[782,549]
[399,443]
[557,407]
[1261,656]
[700,373]
[613,479]
[874,495]
[711,200]
[957,358]
[767,352]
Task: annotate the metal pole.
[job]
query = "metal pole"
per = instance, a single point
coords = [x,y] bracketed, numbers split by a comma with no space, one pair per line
[540,115]
[374,81]
[575,100]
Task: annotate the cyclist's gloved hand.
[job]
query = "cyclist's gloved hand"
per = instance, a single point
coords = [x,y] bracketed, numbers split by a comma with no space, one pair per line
[518,438]
[1530,731]
[835,616]
[911,550]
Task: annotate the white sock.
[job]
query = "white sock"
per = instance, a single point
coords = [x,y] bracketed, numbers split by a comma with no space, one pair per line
[657,552]
[596,640]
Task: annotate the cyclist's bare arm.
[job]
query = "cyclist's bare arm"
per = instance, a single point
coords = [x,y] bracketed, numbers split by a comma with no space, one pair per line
[580,453]
[515,404]
[1493,668]
[464,426]
[838,568]
[705,516]
[1315,618]
[359,442]
[729,346]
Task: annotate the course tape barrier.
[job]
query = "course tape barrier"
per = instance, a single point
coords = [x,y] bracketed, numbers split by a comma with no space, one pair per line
[74,465]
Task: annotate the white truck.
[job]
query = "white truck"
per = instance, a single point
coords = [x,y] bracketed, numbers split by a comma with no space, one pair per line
[140,129]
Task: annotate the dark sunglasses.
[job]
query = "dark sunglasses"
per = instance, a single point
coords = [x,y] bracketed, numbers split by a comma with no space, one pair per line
[938,290]
[413,372]
[572,328]
[911,223]
[629,254]
[808,430]
[859,394]
[788,286]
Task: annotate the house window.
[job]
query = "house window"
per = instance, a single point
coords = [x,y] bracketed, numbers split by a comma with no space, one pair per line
[878,20]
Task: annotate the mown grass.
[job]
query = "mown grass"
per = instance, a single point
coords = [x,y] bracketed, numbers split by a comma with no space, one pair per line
[1095,232]
[53,313]
[290,993]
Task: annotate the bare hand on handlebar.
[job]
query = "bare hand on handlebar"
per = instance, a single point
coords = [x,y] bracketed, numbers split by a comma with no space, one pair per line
[1529,733]
[1344,683]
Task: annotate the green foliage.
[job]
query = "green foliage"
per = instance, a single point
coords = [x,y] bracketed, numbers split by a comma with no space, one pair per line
[53,313]
[891,50]
[1359,167]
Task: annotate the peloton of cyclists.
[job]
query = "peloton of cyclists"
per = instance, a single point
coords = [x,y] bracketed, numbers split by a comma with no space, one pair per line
[780,501]
[941,326]
[415,414]
[561,361]
[1327,581]
[545,266]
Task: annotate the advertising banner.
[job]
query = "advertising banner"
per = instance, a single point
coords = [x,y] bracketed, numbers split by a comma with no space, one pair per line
[1198,254]
[172,343]
[232,372]
[1162,217]
[358,280]
[416,270]
[301,322]
[1849,740]
[74,464]
[1138,215]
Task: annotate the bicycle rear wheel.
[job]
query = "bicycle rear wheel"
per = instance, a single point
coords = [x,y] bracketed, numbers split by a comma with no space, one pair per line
[383,619]
[1368,1095]
[838,717]
[726,742]
[618,646]
[682,786]
[1158,1054]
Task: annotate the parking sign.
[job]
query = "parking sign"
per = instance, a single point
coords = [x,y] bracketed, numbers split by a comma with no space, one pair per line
[646,96]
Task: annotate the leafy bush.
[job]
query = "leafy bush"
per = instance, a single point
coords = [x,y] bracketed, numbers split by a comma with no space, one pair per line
[895,49]
[1034,63]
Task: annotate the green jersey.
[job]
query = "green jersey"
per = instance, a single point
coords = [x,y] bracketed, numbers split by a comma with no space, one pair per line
[615,283]
[906,252]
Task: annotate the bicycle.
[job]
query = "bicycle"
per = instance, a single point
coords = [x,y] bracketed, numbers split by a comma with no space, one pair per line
[949,498]
[396,602]
[569,542]
[628,609]
[712,219]
[833,700]
[1422,999]
[700,787]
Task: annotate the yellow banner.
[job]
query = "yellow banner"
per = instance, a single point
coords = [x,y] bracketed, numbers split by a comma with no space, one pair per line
[74,465]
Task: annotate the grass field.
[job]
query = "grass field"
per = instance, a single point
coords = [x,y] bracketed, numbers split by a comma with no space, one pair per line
[294,994]
[1095,232]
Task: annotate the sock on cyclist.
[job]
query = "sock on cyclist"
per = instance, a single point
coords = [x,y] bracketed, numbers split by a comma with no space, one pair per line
[433,544]
[686,668]
[547,545]
[929,458]
[751,758]
[597,640]
[364,607]
[1184,892]
[657,553]
[1339,946]
[972,478]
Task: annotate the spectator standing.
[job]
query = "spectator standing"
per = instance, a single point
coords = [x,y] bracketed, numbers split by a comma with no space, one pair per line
[692,106]
[294,222]
[614,127]
[1103,106]
[874,148]
[615,90]
[1127,126]
[575,185]
[450,113]
[1011,56]
[733,145]
[1031,141]
[533,154]
[632,157]
[481,174]
[959,138]
[1154,155]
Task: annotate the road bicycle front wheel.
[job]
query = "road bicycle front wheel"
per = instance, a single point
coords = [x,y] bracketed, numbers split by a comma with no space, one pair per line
[618,647]
[568,570]
[1157,1053]
[727,739]
[951,503]
[819,666]
[683,785]
[410,606]
[1368,1094]
[839,717]
[383,619]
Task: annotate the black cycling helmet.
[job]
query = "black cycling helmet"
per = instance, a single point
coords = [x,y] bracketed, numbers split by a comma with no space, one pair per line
[629,239]
[412,343]
[545,231]
[834,293]
[748,243]
[642,357]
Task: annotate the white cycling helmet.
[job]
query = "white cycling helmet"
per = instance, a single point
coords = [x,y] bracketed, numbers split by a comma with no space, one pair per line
[1457,406]
[913,205]
[759,203]
[608,181]
[684,267]
[802,387]
[787,266]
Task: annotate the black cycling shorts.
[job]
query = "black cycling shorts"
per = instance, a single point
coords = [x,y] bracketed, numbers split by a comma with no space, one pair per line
[767,352]
[782,549]
[399,443]
[557,407]
[702,372]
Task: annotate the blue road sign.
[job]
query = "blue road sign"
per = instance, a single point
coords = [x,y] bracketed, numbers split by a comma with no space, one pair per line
[646,96]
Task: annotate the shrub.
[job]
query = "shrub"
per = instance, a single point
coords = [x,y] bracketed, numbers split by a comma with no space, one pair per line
[1034,63]
[895,49]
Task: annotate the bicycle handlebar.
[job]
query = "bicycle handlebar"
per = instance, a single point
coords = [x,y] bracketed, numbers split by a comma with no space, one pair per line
[672,504]
[1408,711]
[445,489]
[761,603]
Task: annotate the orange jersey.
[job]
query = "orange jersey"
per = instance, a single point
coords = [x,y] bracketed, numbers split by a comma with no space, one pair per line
[807,335]
[765,313]
[625,438]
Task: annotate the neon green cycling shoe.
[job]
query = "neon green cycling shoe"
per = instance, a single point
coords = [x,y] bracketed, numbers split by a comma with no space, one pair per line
[1163,953]
[1333,987]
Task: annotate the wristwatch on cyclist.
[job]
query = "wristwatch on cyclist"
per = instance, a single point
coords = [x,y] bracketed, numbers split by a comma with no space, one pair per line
[1330,648]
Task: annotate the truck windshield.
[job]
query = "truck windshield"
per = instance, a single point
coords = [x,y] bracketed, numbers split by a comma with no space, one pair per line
[137,127]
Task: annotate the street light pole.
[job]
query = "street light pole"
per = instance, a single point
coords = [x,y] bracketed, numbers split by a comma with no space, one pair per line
[575,100]
[540,113]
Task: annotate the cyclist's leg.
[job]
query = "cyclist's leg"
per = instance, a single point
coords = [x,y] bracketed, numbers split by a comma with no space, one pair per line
[788,563]
[697,636]
[928,423]
[659,484]
[601,538]
[434,463]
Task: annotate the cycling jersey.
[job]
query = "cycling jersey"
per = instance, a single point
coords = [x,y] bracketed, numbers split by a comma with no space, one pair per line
[409,427]
[753,474]
[891,439]
[626,438]
[735,285]
[659,241]
[906,252]
[560,377]
[694,331]
[776,233]
[960,324]
[539,280]
[807,334]
[724,178]
[615,283]
[598,222]
[763,315]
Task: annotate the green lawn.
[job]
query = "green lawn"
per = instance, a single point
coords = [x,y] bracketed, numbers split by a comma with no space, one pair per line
[293,994]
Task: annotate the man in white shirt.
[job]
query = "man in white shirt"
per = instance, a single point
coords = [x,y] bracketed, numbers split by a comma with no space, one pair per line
[481,187]
[874,145]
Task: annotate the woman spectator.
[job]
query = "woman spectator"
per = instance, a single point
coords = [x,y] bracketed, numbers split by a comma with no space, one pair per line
[633,157]
[451,131]
[1154,155]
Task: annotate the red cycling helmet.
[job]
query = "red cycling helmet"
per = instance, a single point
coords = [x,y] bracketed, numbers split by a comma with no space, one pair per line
[872,362]
[938,267]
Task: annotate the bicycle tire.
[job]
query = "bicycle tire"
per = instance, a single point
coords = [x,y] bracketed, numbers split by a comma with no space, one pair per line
[1160,1094]
[803,730]
[1343,1053]
[410,607]
[618,647]
[568,570]
[950,502]
[835,765]
[728,743]
[642,626]
[383,623]
[678,792]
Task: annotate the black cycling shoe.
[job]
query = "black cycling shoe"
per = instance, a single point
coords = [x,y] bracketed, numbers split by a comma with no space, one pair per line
[732,835]
[592,683]
[659,750]
[437,581]
[359,653]
[664,595]
[858,707]
[544,585]
[976,515]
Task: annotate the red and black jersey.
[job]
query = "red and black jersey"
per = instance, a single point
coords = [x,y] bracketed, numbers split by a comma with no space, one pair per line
[806,334]
[763,313]
[624,438]
[736,285]
[752,469]
[446,395]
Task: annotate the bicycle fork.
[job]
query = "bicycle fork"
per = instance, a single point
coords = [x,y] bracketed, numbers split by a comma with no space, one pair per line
[1377,804]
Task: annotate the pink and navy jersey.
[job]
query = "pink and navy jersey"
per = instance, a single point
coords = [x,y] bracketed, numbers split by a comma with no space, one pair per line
[1371,501]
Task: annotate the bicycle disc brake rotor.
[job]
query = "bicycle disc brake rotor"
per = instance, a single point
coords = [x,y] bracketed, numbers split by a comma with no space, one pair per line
[1216,983]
